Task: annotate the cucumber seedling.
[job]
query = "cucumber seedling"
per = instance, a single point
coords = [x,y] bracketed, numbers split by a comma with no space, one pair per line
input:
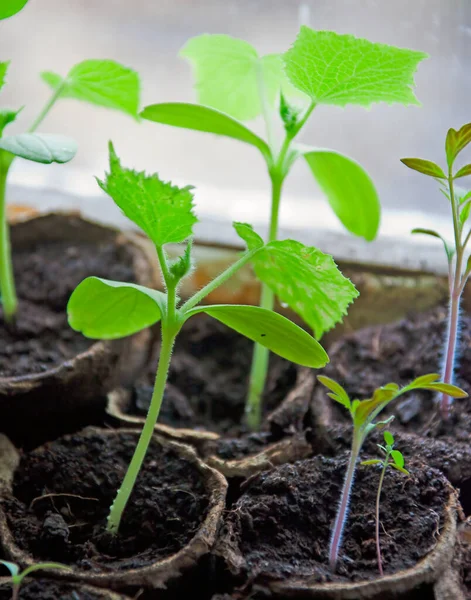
[101,82]
[235,84]
[103,309]
[17,576]
[363,413]
[392,458]
[458,268]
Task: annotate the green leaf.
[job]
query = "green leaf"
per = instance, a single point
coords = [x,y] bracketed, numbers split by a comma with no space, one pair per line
[271,330]
[464,213]
[445,388]
[288,114]
[349,190]
[342,69]
[401,469]
[397,458]
[424,380]
[389,438]
[12,567]
[373,461]
[43,148]
[108,310]
[182,265]
[3,72]
[307,280]
[426,167]
[202,118]
[448,249]
[456,141]
[164,211]
[7,117]
[338,392]
[229,74]
[367,409]
[247,233]
[8,8]
[463,172]
[101,82]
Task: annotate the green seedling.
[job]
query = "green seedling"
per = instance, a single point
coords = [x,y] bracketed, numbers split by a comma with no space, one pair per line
[363,414]
[392,458]
[101,82]
[17,576]
[459,268]
[103,309]
[235,84]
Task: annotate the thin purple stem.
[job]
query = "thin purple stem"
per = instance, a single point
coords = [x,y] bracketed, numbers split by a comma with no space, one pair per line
[342,511]
[451,343]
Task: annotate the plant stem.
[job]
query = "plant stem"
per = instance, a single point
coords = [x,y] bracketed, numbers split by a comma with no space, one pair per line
[259,368]
[42,115]
[124,492]
[15,591]
[378,497]
[7,281]
[342,511]
[453,312]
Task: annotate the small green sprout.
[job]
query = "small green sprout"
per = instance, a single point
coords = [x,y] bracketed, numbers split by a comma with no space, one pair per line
[103,309]
[17,576]
[363,414]
[459,269]
[396,463]
[101,82]
[235,84]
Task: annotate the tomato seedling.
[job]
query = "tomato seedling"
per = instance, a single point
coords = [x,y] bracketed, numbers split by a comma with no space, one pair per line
[235,84]
[458,268]
[363,414]
[103,309]
[397,463]
[17,576]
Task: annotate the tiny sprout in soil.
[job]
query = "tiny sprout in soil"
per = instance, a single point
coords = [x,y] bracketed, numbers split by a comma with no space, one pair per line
[104,309]
[396,463]
[101,82]
[458,268]
[363,414]
[235,84]
[17,576]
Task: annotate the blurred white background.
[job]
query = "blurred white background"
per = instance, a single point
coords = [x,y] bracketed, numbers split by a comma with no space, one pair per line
[148,34]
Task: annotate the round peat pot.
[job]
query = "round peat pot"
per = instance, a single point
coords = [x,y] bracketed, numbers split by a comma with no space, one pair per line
[56,499]
[277,535]
[52,379]
[45,589]
[205,397]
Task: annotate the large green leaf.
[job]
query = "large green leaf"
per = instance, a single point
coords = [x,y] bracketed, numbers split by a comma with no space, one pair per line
[8,8]
[229,74]
[349,190]
[43,148]
[3,72]
[202,118]
[164,211]
[341,69]
[271,330]
[102,82]
[307,280]
[108,310]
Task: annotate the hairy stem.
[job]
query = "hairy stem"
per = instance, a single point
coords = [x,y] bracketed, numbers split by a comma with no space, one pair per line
[342,511]
[454,309]
[259,368]
[7,281]
[378,497]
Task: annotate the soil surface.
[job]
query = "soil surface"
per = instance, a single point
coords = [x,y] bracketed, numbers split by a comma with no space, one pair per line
[63,491]
[207,386]
[399,353]
[282,523]
[46,275]
[42,589]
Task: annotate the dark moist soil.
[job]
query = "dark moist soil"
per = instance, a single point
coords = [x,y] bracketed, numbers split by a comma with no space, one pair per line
[207,386]
[282,523]
[46,275]
[166,508]
[43,589]
[398,353]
